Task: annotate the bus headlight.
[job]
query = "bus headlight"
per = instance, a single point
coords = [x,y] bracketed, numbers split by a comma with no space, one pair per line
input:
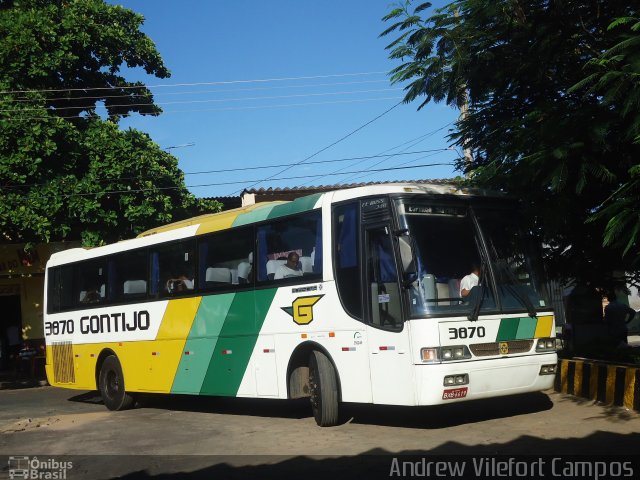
[444,354]
[458,352]
[546,345]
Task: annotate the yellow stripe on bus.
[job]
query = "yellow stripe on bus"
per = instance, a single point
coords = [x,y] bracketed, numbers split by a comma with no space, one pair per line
[543,328]
[163,355]
[148,365]
[178,318]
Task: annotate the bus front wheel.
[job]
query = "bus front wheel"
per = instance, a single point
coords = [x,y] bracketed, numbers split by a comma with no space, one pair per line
[324,389]
[111,384]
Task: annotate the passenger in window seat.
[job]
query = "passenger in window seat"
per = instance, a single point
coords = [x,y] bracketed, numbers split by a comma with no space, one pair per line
[180,284]
[289,269]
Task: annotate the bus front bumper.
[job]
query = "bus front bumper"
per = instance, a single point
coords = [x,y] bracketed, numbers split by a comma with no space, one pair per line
[486,378]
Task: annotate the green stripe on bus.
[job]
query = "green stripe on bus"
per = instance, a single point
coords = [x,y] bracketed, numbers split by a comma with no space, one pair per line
[257,215]
[526,328]
[201,342]
[302,204]
[236,342]
[508,329]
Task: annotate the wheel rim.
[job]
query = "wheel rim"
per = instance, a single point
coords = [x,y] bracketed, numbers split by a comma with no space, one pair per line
[112,384]
[314,388]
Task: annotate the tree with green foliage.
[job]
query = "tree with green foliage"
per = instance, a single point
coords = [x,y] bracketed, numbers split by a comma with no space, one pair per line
[535,127]
[615,79]
[67,173]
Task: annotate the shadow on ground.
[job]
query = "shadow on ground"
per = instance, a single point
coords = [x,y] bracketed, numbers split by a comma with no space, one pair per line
[435,417]
[542,459]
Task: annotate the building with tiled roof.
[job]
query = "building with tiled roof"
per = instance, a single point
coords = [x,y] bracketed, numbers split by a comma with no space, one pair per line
[249,196]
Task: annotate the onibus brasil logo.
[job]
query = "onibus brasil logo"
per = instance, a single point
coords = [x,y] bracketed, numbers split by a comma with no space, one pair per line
[49,468]
[302,309]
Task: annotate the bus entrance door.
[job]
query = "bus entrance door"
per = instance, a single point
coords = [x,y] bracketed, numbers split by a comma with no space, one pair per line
[388,336]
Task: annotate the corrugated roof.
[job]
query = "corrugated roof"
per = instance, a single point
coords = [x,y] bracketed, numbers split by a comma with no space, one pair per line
[338,186]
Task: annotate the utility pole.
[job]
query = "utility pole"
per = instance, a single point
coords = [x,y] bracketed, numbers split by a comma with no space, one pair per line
[464,112]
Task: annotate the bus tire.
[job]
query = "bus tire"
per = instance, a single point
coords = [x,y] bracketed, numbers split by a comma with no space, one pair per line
[111,384]
[323,385]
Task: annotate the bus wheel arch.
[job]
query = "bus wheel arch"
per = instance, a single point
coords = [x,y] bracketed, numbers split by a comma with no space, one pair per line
[111,382]
[312,373]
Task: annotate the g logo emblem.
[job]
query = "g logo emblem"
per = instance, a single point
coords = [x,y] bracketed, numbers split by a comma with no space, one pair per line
[302,309]
[504,348]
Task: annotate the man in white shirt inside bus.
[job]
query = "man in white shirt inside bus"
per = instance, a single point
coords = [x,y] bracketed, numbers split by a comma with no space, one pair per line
[470,281]
[289,269]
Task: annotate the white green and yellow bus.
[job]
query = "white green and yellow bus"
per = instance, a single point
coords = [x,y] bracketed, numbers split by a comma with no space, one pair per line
[352,295]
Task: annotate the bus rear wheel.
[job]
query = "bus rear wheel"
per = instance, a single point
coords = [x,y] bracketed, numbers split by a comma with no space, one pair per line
[111,385]
[323,385]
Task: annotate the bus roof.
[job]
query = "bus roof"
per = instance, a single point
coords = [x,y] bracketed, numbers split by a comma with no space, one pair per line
[267,210]
[264,210]
[220,217]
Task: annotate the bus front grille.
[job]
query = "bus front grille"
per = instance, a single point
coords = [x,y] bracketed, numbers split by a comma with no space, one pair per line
[489,349]
[63,371]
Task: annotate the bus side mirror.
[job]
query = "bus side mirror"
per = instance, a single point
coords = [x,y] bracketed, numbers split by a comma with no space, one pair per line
[409,270]
[408,278]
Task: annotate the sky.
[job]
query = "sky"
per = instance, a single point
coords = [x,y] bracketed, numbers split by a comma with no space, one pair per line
[260,83]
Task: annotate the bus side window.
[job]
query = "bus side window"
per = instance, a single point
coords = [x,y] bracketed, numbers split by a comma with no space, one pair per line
[173,269]
[60,289]
[91,280]
[225,259]
[128,275]
[290,248]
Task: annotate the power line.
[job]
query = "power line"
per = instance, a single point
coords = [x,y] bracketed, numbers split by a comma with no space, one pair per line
[227,170]
[332,144]
[370,172]
[193,92]
[410,144]
[317,162]
[139,190]
[427,135]
[168,85]
[226,109]
[215,100]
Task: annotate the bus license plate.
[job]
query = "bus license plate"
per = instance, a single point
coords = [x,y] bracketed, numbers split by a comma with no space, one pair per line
[454,393]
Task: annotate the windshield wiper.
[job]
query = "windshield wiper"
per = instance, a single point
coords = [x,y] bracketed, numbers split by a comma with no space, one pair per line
[513,285]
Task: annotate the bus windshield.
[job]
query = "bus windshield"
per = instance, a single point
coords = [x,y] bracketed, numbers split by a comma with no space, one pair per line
[516,266]
[454,269]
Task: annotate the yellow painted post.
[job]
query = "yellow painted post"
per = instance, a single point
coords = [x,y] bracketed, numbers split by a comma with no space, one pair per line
[577,378]
[611,384]
[629,387]
[593,382]
[564,381]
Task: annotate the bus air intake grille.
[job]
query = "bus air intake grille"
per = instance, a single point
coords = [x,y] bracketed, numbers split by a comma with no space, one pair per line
[490,349]
[63,371]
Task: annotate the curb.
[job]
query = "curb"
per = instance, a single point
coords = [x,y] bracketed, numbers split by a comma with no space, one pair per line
[607,383]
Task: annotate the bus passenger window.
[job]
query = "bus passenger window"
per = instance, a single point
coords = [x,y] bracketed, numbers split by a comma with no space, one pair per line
[225,259]
[290,249]
[127,275]
[173,269]
[91,281]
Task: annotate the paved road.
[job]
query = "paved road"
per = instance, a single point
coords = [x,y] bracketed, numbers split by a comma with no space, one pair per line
[55,422]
